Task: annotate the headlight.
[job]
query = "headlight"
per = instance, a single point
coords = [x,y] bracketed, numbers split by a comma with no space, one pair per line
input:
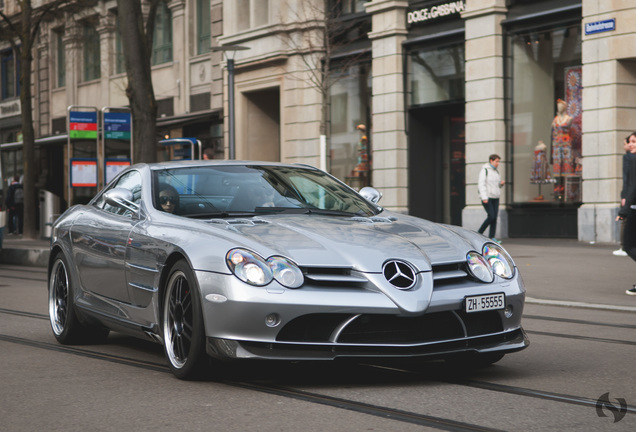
[254,270]
[286,272]
[479,267]
[249,267]
[499,260]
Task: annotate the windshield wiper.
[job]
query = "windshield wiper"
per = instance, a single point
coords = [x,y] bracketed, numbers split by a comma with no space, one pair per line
[302,210]
[219,214]
[285,210]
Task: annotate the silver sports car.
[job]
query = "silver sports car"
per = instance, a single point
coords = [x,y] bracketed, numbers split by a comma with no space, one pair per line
[238,260]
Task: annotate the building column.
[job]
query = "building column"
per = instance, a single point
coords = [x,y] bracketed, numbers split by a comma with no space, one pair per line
[42,85]
[485,105]
[609,115]
[180,57]
[73,46]
[106,29]
[388,137]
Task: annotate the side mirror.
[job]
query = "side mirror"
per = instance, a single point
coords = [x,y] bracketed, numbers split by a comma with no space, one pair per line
[121,197]
[370,194]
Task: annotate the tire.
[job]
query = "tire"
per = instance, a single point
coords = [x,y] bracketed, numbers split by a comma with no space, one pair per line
[182,325]
[66,326]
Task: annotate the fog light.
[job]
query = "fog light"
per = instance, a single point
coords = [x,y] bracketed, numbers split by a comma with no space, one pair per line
[272,320]
[508,311]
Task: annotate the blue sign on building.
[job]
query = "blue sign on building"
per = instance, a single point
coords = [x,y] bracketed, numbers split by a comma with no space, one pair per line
[600,26]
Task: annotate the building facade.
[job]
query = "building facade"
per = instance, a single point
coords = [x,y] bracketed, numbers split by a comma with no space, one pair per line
[78,61]
[441,85]
[410,96]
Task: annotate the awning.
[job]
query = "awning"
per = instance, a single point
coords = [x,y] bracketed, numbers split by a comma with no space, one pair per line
[54,139]
[186,119]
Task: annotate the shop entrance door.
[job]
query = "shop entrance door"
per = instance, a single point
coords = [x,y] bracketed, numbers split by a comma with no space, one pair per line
[437,168]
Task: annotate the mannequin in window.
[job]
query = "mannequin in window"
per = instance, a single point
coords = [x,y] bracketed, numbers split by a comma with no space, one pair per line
[561,146]
[540,173]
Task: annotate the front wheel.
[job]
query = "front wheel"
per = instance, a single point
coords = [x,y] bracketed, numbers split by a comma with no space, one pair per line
[182,324]
[65,324]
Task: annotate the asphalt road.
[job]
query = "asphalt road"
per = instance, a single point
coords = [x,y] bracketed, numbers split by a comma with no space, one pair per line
[581,325]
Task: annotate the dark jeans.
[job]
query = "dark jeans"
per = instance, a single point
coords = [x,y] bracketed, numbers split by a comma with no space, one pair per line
[15,219]
[492,209]
[629,234]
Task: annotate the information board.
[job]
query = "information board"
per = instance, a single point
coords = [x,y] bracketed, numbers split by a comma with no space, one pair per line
[83,125]
[83,172]
[112,167]
[117,125]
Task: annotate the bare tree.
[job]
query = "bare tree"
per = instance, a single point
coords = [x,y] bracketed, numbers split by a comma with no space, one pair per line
[21,31]
[137,45]
[321,34]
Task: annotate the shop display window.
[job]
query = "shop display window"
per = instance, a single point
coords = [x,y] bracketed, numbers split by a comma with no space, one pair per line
[545,90]
[350,149]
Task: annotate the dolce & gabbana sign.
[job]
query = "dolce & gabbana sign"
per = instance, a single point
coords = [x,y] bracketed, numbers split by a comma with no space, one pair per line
[9,109]
[442,10]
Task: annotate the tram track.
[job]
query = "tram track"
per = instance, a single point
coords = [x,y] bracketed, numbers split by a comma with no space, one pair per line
[336,402]
[341,403]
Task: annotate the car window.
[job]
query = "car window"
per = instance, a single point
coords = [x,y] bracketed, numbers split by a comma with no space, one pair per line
[130,181]
[201,191]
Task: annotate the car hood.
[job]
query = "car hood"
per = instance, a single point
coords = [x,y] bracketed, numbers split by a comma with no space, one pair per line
[364,244]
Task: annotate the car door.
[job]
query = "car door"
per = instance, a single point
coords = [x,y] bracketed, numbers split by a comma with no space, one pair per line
[100,238]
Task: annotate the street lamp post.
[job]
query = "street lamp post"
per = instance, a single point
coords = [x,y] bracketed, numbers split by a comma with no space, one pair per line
[229,51]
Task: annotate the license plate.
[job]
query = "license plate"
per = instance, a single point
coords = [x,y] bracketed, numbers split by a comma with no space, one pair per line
[485,302]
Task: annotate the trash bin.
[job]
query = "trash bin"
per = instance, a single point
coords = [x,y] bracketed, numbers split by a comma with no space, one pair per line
[49,212]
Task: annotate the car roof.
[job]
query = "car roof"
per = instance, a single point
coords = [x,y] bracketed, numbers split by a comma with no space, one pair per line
[221,162]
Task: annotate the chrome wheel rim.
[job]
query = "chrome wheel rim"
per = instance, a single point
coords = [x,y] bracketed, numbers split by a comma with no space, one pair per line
[178,320]
[58,297]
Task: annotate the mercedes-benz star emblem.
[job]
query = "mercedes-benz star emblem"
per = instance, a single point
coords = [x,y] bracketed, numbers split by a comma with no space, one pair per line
[399,274]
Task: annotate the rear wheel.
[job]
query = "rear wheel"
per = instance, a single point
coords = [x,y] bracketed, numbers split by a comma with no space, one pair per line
[65,324]
[182,324]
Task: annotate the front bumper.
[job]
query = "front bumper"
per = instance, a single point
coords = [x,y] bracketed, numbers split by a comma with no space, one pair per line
[505,342]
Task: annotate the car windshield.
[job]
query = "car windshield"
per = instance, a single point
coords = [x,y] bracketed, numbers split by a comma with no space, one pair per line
[235,190]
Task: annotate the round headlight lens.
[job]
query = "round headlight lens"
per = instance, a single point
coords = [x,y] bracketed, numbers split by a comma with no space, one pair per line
[479,267]
[249,267]
[499,260]
[286,272]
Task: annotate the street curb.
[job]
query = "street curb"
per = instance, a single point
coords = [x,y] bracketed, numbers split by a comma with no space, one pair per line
[25,257]
[530,300]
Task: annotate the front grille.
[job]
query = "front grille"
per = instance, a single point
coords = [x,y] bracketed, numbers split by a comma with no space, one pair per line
[389,329]
[386,329]
[447,274]
[333,276]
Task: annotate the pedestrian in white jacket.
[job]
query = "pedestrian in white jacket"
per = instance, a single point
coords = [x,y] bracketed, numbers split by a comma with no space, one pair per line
[489,185]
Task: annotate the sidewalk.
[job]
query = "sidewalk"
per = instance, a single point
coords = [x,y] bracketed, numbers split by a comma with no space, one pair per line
[562,272]
[19,251]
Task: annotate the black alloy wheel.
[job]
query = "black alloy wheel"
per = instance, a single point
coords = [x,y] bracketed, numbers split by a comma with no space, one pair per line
[182,324]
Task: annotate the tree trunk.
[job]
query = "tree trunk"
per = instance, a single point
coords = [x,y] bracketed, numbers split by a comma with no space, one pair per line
[137,56]
[31,201]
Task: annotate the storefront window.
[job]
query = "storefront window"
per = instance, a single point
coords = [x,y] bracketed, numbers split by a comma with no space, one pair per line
[546,115]
[436,75]
[350,116]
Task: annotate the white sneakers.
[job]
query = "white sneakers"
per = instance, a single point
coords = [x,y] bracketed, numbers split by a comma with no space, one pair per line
[619,252]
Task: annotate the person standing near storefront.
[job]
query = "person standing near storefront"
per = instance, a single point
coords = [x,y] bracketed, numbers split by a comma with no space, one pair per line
[630,153]
[15,205]
[489,185]
[627,213]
